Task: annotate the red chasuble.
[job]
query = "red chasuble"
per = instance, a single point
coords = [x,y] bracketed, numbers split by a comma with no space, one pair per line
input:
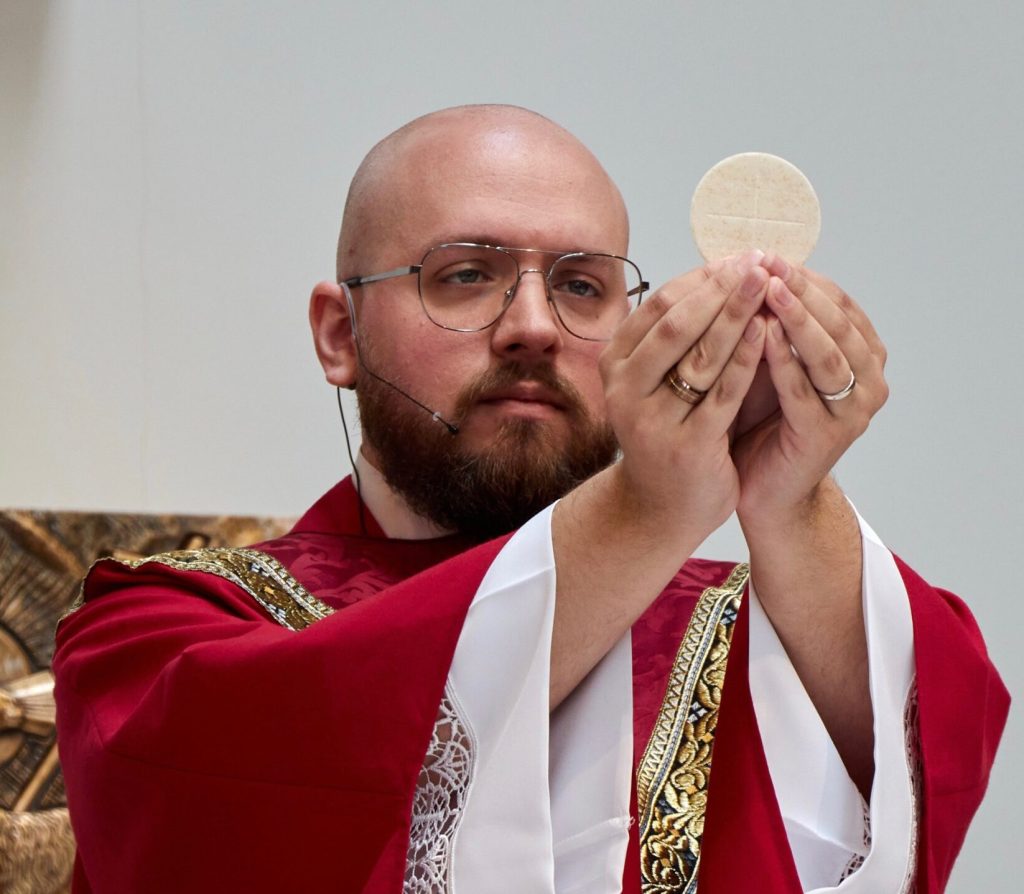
[219,736]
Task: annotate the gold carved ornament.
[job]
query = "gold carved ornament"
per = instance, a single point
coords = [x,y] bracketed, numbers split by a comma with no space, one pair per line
[43,556]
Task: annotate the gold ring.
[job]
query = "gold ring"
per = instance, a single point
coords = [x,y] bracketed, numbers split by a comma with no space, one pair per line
[683,389]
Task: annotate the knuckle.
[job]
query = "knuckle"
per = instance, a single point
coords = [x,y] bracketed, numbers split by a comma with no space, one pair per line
[724,391]
[834,364]
[700,358]
[843,327]
[658,304]
[883,394]
[735,311]
[722,283]
[802,389]
[845,303]
[670,328]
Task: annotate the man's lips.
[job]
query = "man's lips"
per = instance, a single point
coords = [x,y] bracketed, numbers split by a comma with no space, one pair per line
[527,393]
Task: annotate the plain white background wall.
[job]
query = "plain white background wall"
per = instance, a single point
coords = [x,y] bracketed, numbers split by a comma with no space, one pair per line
[171,182]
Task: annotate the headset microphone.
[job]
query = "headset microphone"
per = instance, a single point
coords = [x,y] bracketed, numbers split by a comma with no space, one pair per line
[437,417]
[453,429]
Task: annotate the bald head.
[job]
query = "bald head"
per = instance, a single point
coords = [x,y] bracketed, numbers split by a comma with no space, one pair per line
[453,174]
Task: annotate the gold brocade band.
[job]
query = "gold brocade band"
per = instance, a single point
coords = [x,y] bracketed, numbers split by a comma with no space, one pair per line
[261,576]
[672,779]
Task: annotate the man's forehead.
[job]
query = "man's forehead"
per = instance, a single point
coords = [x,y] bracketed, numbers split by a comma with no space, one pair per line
[496,150]
[495,177]
[549,205]
[558,231]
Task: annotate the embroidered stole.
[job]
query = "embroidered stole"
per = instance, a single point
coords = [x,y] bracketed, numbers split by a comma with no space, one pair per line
[672,778]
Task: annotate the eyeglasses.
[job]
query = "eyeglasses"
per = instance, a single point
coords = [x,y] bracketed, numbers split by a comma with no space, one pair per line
[466,287]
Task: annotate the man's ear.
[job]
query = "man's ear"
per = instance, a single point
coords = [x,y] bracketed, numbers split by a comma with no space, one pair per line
[330,319]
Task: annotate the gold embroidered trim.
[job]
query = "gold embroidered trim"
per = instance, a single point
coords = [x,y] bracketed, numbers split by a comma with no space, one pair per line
[261,576]
[672,779]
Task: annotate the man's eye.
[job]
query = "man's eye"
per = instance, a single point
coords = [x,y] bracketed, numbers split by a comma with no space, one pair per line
[467,276]
[579,288]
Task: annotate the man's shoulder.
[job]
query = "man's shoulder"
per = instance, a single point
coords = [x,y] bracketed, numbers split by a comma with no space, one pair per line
[242,581]
[292,580]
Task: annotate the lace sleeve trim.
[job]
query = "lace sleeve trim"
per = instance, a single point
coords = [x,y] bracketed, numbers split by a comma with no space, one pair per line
[439,801]
[913,747]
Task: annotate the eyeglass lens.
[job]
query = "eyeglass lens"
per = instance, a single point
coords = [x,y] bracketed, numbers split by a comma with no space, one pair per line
[468,286]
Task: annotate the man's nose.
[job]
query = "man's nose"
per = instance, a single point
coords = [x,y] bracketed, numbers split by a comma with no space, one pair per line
[529,324]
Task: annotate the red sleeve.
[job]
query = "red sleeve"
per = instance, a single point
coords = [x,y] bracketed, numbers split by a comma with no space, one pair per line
[962,709]
[206,748]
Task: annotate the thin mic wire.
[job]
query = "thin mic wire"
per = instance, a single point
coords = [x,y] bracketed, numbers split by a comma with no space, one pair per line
[355,468]
[453,429]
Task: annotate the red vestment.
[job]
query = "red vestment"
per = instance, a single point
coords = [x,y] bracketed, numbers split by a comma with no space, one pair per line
[208,748]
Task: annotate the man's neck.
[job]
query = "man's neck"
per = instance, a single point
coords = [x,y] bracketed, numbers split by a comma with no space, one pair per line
[392,513]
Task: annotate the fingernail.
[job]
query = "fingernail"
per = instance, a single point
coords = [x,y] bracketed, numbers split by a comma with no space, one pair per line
[748,260]
[781,293]
[775,329]
[753,329]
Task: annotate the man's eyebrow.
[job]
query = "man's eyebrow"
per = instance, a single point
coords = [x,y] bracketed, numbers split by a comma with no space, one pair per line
[478,238]
[484,239]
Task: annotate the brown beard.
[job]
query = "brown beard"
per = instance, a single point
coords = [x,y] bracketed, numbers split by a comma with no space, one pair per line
[494,490]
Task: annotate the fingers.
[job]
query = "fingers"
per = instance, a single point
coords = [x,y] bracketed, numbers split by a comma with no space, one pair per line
[652,309]
[702,325]
[828,365]
[702,364]
[851,309]
[834,340]
[716,412]
[827,301]
[830,341]
[799,401]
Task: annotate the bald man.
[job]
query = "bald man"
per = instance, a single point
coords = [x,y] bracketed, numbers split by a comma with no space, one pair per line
[487,661]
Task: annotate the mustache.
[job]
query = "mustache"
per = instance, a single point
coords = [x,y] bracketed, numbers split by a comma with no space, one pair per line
[512,373]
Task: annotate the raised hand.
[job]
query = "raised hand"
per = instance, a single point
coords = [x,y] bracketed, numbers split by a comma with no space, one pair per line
[675,376]
[819,341]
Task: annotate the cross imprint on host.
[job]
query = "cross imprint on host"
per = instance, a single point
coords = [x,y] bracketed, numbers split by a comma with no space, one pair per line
[755,218]
[755,200]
